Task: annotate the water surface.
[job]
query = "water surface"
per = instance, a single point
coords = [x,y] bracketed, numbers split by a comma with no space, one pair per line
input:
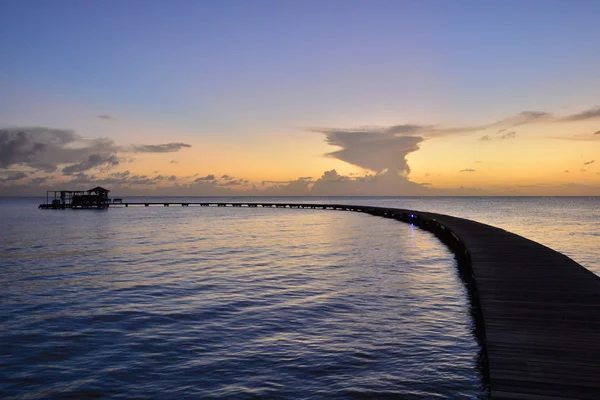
[229,303]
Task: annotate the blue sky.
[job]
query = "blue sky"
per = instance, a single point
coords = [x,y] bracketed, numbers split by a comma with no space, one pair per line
[215,70]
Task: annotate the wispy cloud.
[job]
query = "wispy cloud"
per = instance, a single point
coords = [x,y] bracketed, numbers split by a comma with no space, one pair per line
[157,148]
[584,115]
[509,135]
[467,170]
[589,162]
[578,138]
[485,138]
[107,117]
[93,161]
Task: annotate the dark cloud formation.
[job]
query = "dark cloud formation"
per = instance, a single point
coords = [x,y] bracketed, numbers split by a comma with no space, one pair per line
[93,161]
[206,178]
[372,150]
[584,115]
[107,117]
[566,171]
[467,170]
[45,149]
[15,176]
[485,138]
[597,133]
[589,162]
[158,148]
[227,177]
[174,162]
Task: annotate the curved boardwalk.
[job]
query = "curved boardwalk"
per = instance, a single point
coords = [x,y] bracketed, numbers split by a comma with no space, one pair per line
[538,311]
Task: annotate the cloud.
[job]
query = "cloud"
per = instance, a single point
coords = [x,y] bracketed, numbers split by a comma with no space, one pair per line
[408,129]
[206,178]
[527,117]
[331,183]
[597,133]
[226,177]
[174,162]
[467,170]
[44,149]
[38,180]
[589,162]
[503,135]
[584,115]
[578,138]
[122,174]
[161,178]
[93,161]
[373,149]
[385,148]
[107,117]
[508,135]
[566,171]
[157,148]
[234,182]
[47,149]
[16,176]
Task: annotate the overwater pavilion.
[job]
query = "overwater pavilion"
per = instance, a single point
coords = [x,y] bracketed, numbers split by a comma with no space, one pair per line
[93,198]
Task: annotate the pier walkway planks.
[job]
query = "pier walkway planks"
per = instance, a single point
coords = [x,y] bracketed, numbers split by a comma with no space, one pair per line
[539,309]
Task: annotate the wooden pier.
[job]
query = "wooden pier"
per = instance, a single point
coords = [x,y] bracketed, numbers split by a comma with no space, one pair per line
[537,312]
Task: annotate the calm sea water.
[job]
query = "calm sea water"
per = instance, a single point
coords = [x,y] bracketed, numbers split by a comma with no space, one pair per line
[251,303]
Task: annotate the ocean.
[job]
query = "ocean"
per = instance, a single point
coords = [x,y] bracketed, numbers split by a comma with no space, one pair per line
[197,302]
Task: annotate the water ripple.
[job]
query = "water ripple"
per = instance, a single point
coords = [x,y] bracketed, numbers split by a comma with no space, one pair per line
[210,303]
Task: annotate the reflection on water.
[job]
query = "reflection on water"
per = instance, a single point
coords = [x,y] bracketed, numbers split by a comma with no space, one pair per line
[206,303]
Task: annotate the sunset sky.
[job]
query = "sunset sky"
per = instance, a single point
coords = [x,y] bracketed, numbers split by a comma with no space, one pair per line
[301,97]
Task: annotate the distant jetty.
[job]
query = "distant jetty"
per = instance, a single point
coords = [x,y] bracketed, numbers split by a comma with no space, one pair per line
[96,198]
[536,311]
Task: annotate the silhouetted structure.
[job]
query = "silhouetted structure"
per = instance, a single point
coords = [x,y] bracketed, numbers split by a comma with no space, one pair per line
[96,198]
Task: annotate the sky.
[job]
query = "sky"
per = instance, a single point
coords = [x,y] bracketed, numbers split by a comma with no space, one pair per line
[416,98]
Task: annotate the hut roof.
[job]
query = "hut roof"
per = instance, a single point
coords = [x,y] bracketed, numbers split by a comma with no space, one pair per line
[99,190]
